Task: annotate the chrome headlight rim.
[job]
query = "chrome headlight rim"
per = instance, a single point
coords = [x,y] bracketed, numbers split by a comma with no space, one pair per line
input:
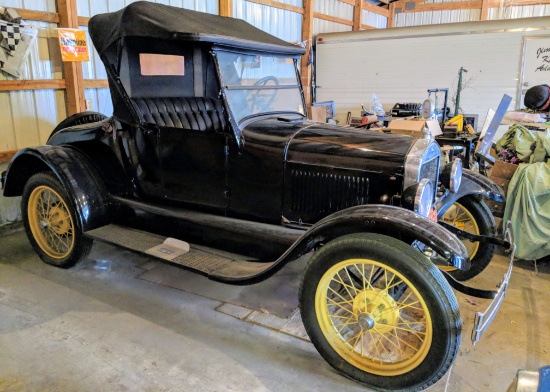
[455,177]
[423,198]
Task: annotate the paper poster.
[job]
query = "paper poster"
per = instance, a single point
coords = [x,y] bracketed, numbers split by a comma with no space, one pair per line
[73,44]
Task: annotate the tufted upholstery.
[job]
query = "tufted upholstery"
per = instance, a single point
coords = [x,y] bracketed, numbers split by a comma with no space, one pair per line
[198,113]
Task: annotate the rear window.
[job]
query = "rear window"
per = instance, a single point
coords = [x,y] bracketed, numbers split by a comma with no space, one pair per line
[161,64]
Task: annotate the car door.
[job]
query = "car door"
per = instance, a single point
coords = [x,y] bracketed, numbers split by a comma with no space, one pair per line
[193,165]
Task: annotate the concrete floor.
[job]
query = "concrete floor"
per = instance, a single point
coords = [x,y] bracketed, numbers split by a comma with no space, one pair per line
[113,324]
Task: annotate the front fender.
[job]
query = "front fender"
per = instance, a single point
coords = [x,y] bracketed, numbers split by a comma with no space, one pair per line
[473,183]
[74,171]
[396,222]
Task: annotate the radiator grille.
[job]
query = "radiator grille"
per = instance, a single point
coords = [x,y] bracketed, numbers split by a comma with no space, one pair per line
[430,170]
[314,193]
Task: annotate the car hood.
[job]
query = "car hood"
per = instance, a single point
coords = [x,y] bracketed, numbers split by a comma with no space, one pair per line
[311,143]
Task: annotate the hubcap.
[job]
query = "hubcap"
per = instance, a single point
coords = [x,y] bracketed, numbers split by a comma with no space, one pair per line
[373,317]
[50,222]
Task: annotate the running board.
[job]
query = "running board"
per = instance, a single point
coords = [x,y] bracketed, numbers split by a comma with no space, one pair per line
[214,266]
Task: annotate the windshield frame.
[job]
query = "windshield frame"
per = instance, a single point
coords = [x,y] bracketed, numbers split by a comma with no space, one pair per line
[224,88]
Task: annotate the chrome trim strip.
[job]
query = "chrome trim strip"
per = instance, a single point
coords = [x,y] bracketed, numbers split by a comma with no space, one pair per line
[482,320]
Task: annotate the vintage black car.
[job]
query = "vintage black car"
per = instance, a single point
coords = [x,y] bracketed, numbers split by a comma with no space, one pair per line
[209,142]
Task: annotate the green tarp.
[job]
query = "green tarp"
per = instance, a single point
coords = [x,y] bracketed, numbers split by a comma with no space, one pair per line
[528,199]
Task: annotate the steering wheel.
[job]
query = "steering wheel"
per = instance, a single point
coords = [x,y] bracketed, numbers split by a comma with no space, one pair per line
[262,101]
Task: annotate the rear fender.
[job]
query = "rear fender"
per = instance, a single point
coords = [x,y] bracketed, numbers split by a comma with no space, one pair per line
[395,222]
[472,183]
[74,171]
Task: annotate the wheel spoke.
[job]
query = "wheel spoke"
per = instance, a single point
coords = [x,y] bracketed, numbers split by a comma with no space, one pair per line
[338,294]
[392,343]
[344,285]
[407,344]
[340,306]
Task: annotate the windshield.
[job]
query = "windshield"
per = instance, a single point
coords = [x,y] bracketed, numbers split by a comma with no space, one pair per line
[260,84]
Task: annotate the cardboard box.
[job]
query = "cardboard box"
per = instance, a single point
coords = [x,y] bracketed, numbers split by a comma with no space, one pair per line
[414,127]
[317,114]
[503,170]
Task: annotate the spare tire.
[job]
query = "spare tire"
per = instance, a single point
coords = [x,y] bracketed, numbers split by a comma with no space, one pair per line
[79,119]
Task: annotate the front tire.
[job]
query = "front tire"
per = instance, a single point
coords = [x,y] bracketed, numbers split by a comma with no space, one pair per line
[50,222]
[472,215]
[380,312]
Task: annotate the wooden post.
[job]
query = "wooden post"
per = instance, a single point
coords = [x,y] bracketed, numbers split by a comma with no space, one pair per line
[76,102]
[226,7]
[484,9]
[307,36]
[357,15]
[392,14]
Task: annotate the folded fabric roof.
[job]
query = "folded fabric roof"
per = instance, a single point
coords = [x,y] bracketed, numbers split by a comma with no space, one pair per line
[147,19]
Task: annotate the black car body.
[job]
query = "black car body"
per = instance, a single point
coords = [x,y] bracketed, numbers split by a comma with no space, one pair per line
[209,134]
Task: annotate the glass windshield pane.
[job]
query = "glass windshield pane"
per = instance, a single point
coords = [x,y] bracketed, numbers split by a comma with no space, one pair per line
[260,84]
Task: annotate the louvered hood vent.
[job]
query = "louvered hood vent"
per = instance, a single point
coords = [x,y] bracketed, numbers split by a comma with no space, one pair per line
[313,195]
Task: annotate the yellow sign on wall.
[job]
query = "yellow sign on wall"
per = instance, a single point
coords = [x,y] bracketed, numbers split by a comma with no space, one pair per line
[73,44]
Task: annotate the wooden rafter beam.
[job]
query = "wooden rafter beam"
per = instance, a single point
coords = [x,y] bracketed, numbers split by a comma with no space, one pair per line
[39,84]
[280,5]
[391,16]
[96,83]
[76,101]
[368,27]
[83,20]
[332,19]
[226,7]
[357,14]
[380,10]
[40,16]
[48,84]
[307,37]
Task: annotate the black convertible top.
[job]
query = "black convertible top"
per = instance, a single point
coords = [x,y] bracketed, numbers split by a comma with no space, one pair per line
[144,19]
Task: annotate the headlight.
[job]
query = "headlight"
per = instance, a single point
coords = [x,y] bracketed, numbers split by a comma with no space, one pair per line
[451,176]
[424,197]
[419,197]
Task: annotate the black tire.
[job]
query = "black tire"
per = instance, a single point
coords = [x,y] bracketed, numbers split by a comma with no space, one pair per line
[482,252]
[421,279]
[79,119]
[51,222]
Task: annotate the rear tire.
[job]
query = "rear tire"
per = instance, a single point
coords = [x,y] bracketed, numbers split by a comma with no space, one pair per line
[51,223]
[380,312]
[473,216]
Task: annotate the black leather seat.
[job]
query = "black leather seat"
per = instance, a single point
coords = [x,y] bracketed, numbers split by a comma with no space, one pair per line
[198,113]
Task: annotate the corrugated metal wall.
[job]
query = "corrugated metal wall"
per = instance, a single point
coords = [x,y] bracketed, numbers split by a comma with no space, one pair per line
[281,23]
[453,16]
[333,8]
[374,20]
[27,117]
[518,12]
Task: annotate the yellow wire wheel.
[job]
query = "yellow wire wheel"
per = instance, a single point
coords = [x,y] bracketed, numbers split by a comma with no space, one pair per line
[471,214]
[366,325]
[50,221]
[460,217]
[380,312]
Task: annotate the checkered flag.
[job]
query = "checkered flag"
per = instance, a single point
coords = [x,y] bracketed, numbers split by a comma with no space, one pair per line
[11,35]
